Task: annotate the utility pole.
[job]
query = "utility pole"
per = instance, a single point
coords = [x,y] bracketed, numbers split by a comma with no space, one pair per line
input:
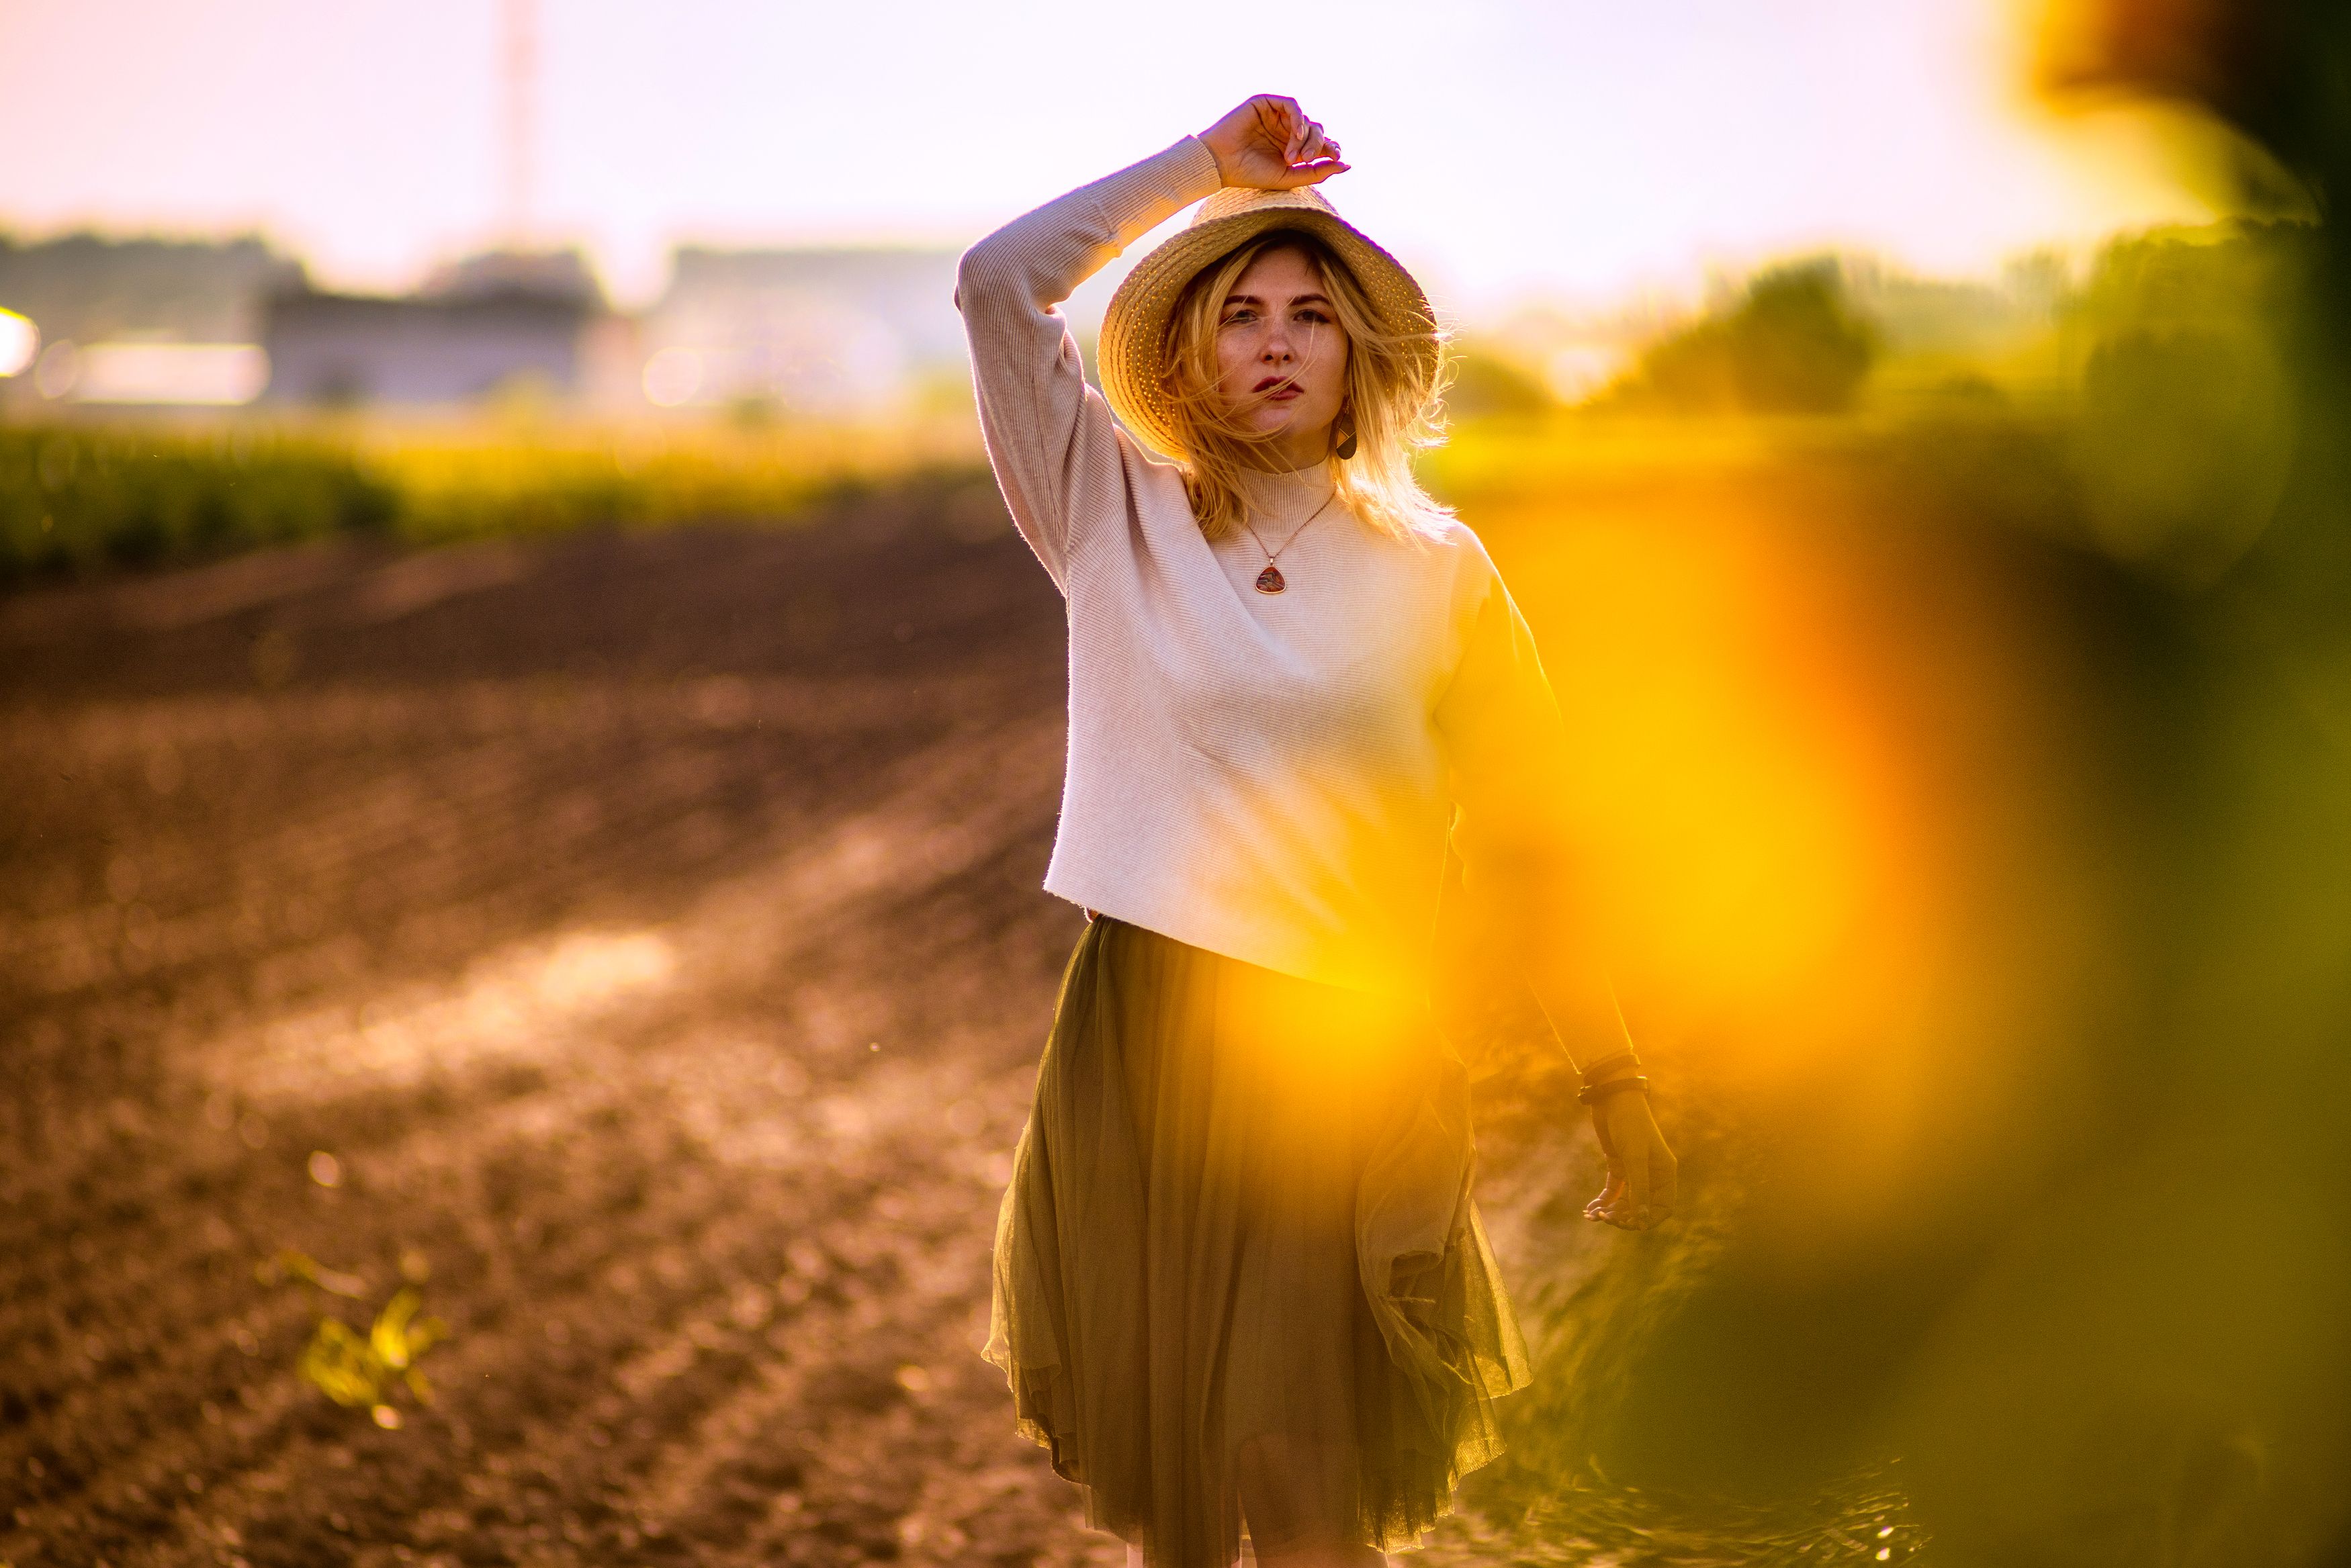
[521,105]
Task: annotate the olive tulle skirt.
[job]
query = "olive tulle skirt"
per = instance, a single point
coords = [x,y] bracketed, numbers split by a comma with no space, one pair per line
[1239,1278]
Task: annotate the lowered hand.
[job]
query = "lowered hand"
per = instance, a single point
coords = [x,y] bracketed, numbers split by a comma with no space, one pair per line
[1639,1191]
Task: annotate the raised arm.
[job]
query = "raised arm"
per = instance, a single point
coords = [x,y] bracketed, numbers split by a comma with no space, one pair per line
[1509,773]
[1051,436]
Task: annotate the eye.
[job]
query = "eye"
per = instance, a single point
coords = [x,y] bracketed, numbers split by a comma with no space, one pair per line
[1241,316]
[1313,317]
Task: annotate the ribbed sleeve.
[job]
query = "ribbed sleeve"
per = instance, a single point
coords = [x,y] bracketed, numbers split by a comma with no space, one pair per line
[1049,436]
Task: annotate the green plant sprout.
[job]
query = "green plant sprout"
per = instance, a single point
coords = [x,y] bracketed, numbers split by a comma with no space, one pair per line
[358,1370]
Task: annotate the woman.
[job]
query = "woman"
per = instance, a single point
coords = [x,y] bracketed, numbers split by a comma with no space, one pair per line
[1240,1287]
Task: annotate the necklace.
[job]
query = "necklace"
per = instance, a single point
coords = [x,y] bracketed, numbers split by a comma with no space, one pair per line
[1270,580]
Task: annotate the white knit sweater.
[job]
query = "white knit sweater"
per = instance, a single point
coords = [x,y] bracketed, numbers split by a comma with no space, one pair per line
[1272,777]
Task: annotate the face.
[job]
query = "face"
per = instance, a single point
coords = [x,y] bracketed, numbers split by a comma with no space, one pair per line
[1281,355]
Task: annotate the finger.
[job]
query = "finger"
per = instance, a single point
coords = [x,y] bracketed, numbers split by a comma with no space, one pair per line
[1308,174]
[1309,142]
[1612,1191]
[1297,122]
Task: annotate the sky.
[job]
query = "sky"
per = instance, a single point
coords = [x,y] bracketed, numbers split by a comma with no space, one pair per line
[1585,149]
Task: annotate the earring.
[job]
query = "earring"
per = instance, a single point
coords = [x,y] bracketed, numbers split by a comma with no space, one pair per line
[1346,447]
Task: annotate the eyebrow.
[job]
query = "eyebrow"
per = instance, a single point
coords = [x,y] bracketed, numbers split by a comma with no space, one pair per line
[1295,299]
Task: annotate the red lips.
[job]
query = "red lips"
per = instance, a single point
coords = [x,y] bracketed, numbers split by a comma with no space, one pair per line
[1284,388]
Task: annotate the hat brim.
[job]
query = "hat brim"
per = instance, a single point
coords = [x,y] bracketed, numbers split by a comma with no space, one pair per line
[1135,327]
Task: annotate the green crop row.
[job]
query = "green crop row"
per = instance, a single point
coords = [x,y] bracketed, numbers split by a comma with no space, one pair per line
[80,498]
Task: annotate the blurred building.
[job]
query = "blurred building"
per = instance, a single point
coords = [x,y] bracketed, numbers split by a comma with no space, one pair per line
[486,324]
[343,348]
[821,331]
[87,288]
[153,370]
[140,321]
[810,330]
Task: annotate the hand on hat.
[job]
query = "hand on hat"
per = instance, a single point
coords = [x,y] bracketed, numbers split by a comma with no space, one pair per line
[1269,144]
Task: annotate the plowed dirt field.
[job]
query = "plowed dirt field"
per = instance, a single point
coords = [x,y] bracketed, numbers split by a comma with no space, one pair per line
[633,942]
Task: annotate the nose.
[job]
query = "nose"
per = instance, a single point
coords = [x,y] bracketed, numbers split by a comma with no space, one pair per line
[1276,349]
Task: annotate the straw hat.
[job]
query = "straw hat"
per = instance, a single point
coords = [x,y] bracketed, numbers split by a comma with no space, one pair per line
[1135,329]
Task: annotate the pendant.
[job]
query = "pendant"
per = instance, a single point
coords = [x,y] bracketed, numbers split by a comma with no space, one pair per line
[1269,580]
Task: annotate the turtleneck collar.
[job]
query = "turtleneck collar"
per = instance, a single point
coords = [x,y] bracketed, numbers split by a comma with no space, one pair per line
[1287,498]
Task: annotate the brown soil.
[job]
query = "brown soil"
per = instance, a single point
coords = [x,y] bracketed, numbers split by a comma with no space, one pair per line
[636,941]
[645,928]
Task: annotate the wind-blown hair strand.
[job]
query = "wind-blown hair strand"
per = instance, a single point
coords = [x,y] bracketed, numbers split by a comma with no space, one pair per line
[1392,402]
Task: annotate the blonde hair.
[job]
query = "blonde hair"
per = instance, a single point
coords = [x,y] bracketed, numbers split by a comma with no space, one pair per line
[1390,403]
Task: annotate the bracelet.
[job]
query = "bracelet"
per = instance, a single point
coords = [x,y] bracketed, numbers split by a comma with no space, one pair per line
[1592,1093]
[1611,1060]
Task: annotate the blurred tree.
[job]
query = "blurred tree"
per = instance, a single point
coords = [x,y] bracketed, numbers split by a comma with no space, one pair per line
[2188,422]
[1484,382]
[1794,347]
[83,498]
[1689,371]
[1791,345]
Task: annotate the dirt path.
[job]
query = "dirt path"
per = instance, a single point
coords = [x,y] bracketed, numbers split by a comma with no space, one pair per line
[630,942]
